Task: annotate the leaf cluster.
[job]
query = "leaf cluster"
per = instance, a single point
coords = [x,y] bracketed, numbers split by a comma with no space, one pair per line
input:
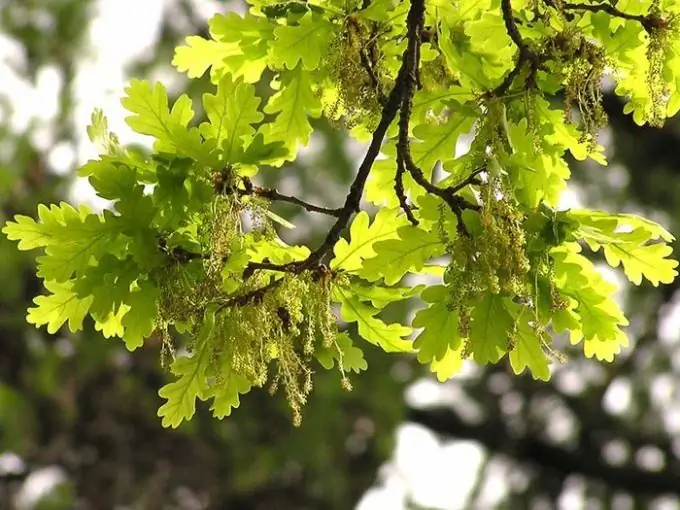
[189,249]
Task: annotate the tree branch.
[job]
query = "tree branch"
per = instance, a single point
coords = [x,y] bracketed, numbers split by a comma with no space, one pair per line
[353,198]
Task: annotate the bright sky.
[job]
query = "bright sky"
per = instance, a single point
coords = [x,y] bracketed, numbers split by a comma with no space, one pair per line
[433,473]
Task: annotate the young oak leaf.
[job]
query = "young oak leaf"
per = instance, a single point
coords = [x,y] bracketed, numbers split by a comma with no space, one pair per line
[169,127]
[153,116]
[629,248]
[276,251]
[380,296]
[181,394]
[603,227]
[305,42]
[199,54]
[438,142]
[252,35]
[491,326]
[638,260]
[566,135]
[363,236]
[111,325]
[449,365]
[227,398]
[293,103]
[48,229]
[108,283]
[537,176]
[79,243]
[387,11]
[232,111]
[30,233]
[380,183]
[390,337]
[407,253]
[343,351]
[441,332]
[111,180]
[227,388]
[599,315]
[379,188]
[192,382]
[62,305]
[140,318]
[527,351]
[98,132]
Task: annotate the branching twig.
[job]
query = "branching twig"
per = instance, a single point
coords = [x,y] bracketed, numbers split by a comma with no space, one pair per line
[470,179]
[526,54]
[254,266]
[273,195]
[253,296]
[399,99]
[353,198]
[648,21]
[352,201]
[411,62]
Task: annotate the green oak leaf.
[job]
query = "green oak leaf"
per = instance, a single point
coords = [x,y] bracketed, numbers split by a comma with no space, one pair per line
[441,331]
[491,326]
[294,102]
[62,305]
[153,117]
[390,337]
[305,42]
[192,382]
[232,112]
[407,253]
[139,320]
[343,351]
[527,351]
[350,255]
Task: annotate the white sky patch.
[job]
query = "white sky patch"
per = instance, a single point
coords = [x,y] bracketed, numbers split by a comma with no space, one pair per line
[37,485]
[618,396]
[667,328]
[435,474]
[117,39]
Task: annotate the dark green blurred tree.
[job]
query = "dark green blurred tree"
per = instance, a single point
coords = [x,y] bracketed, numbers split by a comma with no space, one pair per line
[84,405]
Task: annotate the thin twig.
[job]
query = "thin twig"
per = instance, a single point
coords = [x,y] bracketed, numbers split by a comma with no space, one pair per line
[253,296]
[526,54]
[648,21]
[273,195]
[470,179]
[375,82]
[353,198]
[411,62]
[399,190]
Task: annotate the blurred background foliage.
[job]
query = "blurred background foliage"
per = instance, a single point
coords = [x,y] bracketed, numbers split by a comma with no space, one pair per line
[78,425]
